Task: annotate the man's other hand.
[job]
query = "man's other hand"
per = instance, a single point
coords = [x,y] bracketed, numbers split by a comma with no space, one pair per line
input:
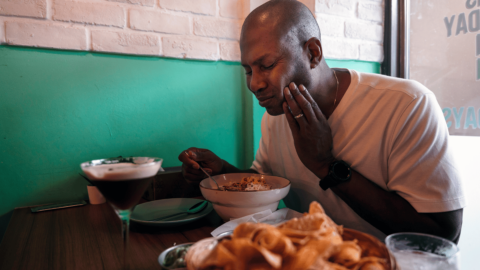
[193,158]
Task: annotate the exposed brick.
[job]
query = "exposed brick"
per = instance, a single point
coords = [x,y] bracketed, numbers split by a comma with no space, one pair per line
[332,26]
[357,30]
[214,27]
[232,8]
[372,11]
[148,3]
[339,48]
[186,47]
[207,7]
[230,51]
[371,52]
[91,13]
[27,8]
[124,42]
[256,3]
[48,35]
[2,32]
[344,8]
[159,22]
[310,4]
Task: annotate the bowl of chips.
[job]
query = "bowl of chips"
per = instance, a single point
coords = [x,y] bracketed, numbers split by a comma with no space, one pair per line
[313,241]
[243,194]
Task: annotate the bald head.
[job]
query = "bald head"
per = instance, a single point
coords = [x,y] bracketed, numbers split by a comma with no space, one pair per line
[286,20]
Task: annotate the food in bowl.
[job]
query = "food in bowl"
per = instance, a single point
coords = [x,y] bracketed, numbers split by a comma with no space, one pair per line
[236,204]
[248,183]
[313,241]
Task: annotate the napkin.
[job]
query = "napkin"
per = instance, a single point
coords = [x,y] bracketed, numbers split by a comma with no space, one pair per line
[265,216]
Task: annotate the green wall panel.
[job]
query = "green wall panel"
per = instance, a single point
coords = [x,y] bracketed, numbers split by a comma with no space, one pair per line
[60,108]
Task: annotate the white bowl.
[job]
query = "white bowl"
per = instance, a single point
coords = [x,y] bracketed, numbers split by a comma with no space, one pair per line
[236,204]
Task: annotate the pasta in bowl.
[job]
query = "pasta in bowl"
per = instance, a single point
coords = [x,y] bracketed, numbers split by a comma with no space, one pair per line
[259,193]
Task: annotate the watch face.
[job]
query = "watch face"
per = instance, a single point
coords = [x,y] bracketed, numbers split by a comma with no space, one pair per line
[341,170]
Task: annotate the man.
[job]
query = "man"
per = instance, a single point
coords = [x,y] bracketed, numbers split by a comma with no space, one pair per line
[378,144]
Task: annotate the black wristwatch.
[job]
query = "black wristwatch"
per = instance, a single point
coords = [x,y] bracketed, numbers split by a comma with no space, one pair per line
[339,172]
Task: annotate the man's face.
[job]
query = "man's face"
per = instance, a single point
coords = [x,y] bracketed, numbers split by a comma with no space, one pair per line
[270,65]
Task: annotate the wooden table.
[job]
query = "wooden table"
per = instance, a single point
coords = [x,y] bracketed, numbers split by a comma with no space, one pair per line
[89,237]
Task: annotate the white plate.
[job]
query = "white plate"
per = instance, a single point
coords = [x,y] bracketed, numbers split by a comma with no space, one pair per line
[151,210]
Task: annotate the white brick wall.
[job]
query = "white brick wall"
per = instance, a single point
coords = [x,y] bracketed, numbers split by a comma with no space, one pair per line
[27,8]
[159,22]
[351,29]
[45,34]
[122,42]
[196,29]
[89,13]
[206,7]
[187,47]
[2,31]
[219,28]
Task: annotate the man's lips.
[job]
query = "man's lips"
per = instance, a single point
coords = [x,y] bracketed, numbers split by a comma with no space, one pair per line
[263,101]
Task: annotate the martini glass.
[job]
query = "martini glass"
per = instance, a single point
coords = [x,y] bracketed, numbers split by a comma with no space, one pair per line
[122,181]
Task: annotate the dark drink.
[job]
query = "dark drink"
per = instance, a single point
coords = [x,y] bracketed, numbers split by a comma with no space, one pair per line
[123,194]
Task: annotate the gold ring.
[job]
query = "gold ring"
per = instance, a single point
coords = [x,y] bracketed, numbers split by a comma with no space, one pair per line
[298,116]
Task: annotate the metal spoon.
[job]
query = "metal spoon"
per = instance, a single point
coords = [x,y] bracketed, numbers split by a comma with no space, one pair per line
[205,172]
[192,210]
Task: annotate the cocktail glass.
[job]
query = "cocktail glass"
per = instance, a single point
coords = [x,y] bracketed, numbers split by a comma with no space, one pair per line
[122,181]
[414,251]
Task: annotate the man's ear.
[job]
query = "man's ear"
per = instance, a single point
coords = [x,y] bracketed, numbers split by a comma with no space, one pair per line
[313,48]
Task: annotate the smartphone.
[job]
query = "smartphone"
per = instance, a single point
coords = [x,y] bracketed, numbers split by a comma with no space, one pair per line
[56,206]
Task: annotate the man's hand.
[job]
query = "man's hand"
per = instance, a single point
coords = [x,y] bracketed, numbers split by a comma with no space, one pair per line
[311,133]
[193,157]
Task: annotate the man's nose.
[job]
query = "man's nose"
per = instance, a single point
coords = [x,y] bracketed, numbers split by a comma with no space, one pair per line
[257,83]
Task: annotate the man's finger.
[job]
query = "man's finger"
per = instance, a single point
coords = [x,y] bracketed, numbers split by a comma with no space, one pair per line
[294,127]
[294,107]
[302,102]
[186,158]
[316,110]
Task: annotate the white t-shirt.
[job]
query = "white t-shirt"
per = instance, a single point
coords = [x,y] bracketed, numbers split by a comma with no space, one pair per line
[390,130]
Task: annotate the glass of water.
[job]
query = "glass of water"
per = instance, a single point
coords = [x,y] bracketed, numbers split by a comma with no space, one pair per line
[417,251]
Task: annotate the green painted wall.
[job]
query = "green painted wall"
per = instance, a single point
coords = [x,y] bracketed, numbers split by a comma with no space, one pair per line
[60,108]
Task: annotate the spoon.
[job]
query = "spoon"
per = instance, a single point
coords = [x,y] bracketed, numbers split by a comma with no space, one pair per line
[205,172]
[192,210]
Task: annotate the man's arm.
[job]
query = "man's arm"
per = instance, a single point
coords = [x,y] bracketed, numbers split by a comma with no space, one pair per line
[387,211]
[390,213]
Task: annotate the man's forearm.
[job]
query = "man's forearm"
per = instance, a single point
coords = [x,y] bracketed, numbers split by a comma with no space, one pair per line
[389,212]
[229,168]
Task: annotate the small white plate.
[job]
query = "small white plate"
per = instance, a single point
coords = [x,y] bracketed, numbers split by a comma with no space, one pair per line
[151,210]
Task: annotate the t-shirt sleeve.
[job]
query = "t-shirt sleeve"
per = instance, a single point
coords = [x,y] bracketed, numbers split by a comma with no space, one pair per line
[421,166]
[261,163]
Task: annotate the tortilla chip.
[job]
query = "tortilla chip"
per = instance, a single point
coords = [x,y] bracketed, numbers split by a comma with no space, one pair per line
[347,253]
[249,229]
[248,254]
[219,257]
[275,241]
[315,207]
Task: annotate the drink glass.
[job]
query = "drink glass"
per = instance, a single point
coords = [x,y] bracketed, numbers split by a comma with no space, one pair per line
[122,181]
[417,251]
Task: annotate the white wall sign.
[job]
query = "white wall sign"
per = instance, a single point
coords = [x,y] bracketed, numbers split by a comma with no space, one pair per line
[445,57]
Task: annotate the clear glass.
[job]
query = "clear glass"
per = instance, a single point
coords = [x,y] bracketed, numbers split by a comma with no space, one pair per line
[122,181]
[416,251]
